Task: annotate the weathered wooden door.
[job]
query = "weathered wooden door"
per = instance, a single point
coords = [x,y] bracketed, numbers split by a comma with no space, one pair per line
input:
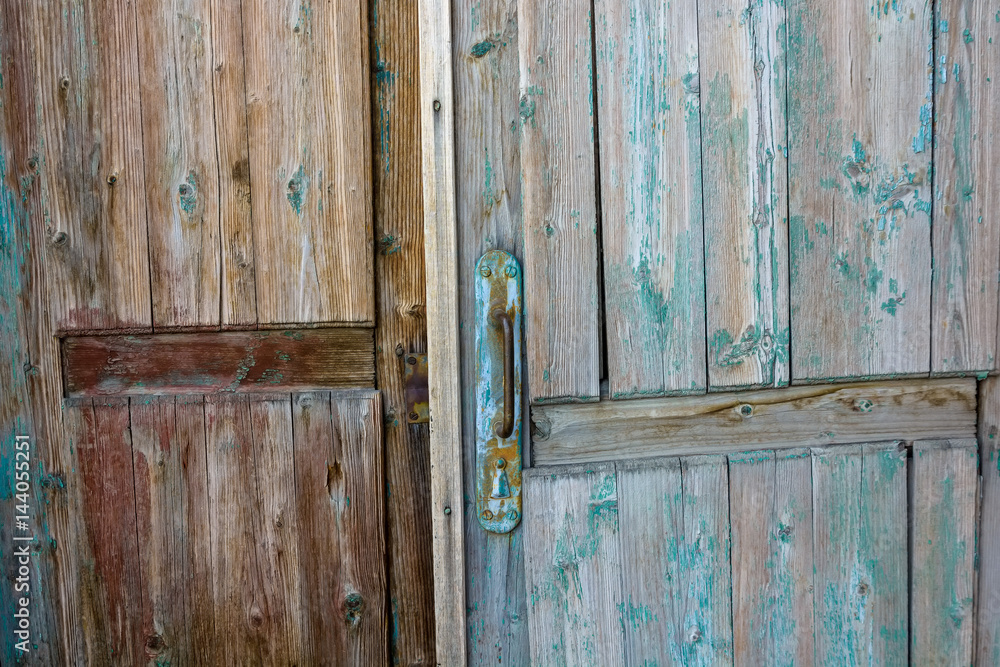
[211,281]
[760,244]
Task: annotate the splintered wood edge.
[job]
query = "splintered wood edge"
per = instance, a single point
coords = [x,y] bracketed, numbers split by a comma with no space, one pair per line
[801,416]
[437,129]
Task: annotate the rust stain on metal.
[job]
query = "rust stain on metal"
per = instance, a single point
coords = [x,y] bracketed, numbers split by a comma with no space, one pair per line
[415,392]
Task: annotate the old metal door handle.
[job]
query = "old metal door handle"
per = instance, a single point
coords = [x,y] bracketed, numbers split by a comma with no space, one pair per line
[505,428]
[499,317]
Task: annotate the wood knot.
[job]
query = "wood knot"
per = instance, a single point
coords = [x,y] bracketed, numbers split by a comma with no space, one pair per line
[354,603]
[863,405]
[862,589]
[59,238]
[112,178]
[155,645]
[745,410]
[256,617]
[694,634]
[64,83]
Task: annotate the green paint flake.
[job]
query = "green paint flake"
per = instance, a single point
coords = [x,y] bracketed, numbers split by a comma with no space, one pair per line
[893,303]
[944,26]
[481,49]
[967,36]
[296,189]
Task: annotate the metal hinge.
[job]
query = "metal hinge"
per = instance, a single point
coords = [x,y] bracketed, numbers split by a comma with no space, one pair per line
[415,390]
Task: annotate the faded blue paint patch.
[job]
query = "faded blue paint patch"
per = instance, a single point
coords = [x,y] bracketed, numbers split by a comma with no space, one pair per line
[296,189]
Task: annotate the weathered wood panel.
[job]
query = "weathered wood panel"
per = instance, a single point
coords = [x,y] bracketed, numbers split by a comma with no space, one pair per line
[650,188]
[171,489]
[573,567]
[180,159]
[966,193]
[239,296]
[770,511]
[29,373]
[484,58]
[987,646]
[945,494]
[310,160]
[559,184]
[859,118]
[745,180]
[233,361]
[792,417]
[91,164]
[110,607]
[653,554]
[860,518]
[401,326]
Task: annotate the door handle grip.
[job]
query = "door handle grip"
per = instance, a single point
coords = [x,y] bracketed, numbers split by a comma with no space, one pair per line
[502,319]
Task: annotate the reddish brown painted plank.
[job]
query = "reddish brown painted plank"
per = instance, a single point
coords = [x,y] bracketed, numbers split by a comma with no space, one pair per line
[110,605]
[171,486]
[339,482]
[232,361]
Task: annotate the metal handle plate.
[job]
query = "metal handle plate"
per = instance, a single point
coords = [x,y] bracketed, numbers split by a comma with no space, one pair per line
[498,391]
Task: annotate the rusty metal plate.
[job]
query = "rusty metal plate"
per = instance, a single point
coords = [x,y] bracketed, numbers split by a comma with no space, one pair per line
[415,392]
[498,391]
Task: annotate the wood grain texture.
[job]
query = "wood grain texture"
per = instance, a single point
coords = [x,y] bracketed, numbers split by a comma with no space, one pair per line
[91,158]
[770,512]
[653,559]
[29,403]
[171,488]
[966,194]
[229,94]
[180,160]
[860,595]
[945,492]
[401,325]
[650,187]
[484,58]
[110,605]
[573,567]
[987,642]
[437,141]
[793,417]
[744,156]
[859,90]
[339,477]
[310,160]
[558,181]
[218,362]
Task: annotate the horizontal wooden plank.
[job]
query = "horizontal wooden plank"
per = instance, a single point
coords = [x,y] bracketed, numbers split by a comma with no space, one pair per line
[804,416]
[232,361]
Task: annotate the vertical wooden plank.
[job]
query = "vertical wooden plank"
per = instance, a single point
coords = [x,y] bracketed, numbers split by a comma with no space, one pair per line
[770,501]
[650,173]
[240,609]
[320,504]
[181,167]
[171,486]
[229,94]
[966,194]
[488,202]
[859,595]
[573,566]
[882,550]
[441,250]
[357,424]
[651,523]
[484,56]
[987,647]
[746,192]
[559,197]
[110,580]
[708,619]
[92,164]
[277,529]
[945,497]
[29,403]
[400,325]
[859,89]
[310,164]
